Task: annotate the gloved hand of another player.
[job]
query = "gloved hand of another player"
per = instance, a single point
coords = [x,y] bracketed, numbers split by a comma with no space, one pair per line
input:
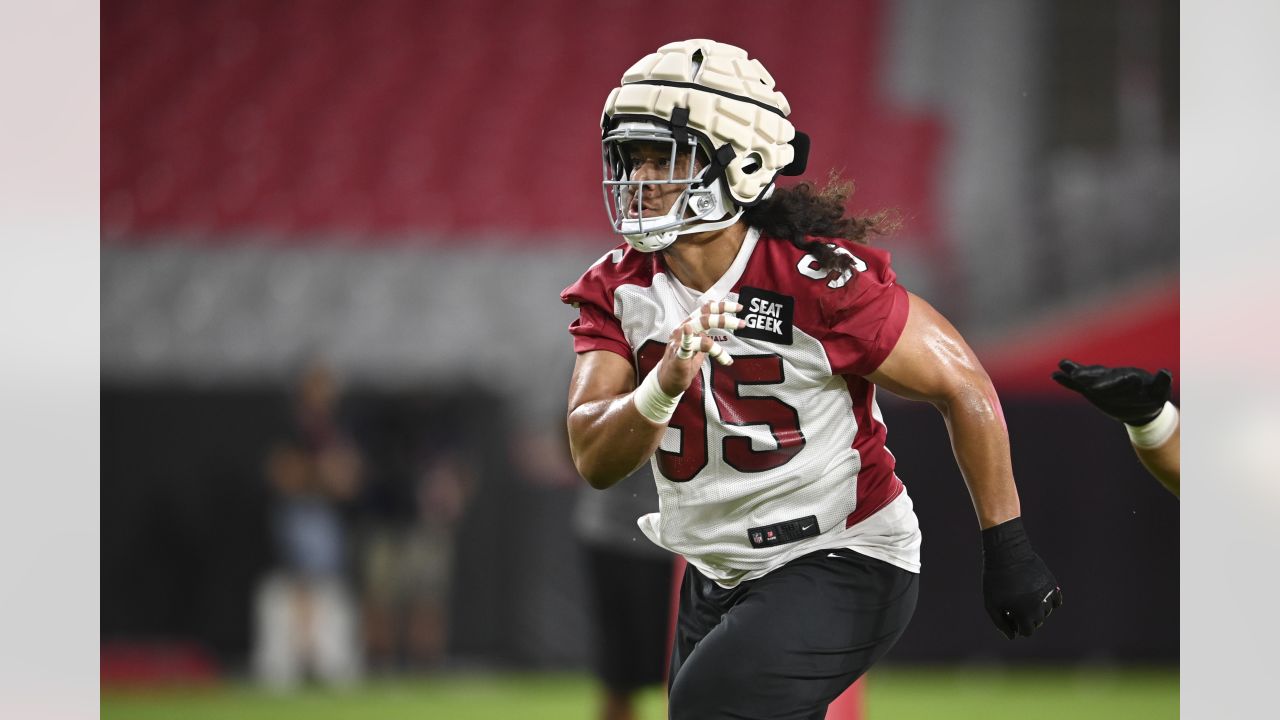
[1018,590]
[1131,395]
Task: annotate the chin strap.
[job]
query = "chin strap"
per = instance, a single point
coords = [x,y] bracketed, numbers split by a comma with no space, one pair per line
[709,226]
[653,242]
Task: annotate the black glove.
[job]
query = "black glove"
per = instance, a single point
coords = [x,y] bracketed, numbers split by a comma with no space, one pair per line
[1131,395]
[1018,590]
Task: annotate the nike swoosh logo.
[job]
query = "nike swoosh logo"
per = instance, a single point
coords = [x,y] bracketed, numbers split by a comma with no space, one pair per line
[806,527]
[834,555]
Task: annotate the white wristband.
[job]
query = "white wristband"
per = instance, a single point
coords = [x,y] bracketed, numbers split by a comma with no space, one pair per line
[652,402]
[1158,431]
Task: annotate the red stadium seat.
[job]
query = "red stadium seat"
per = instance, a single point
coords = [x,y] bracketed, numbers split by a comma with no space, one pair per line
[390,119]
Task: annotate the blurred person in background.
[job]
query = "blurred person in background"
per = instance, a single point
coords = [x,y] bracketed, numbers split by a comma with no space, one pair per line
[1140,400]
[408,571]
[630,581]
[774,483]
[305,616]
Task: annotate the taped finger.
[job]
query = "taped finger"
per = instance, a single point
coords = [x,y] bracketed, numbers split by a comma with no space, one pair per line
[717,353]
[720,307]
[688,343]
[717,321]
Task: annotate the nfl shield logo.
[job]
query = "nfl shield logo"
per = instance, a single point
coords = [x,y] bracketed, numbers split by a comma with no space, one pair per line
[757,538]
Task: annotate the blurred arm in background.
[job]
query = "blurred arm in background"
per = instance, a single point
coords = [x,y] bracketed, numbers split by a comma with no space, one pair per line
[1140,400]
[1163,461]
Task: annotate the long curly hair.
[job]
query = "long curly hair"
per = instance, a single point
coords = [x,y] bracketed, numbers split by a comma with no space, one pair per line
[801,211]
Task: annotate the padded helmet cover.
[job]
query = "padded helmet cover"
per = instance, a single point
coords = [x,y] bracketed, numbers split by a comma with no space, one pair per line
[731,101]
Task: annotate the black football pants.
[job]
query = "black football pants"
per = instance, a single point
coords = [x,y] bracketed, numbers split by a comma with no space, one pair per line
[785,645]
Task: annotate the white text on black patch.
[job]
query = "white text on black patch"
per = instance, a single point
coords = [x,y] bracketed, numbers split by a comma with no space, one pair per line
[767,315]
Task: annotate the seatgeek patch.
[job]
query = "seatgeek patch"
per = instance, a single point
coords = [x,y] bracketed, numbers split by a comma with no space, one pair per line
[768,315]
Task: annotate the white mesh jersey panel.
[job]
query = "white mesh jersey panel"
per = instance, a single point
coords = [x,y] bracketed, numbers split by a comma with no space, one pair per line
[706,518]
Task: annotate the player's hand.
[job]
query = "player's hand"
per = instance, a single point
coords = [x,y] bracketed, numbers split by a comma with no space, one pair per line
[1018,590]
[1131,395]
[689,344]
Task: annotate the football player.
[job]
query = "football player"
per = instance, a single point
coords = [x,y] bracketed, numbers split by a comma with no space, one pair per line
[737,339]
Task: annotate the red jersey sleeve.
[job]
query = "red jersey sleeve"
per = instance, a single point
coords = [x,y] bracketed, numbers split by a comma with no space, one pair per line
[597,328]
[864,319]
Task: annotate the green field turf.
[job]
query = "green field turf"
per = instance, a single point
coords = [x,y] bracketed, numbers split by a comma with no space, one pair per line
[892,694]
[1098,694]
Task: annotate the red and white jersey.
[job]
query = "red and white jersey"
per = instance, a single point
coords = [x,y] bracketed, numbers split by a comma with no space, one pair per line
[783,452]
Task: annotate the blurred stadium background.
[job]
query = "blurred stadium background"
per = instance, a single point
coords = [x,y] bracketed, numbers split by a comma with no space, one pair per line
[387,196]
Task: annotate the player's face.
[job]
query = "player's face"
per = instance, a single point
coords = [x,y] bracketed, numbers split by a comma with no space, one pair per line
[652,162]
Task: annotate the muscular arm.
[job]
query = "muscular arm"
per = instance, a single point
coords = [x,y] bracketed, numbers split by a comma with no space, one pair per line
[608,437]
[1164,461]
[932,362]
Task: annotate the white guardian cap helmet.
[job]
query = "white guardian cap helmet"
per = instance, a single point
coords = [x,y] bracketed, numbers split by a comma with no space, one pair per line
[708,99]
